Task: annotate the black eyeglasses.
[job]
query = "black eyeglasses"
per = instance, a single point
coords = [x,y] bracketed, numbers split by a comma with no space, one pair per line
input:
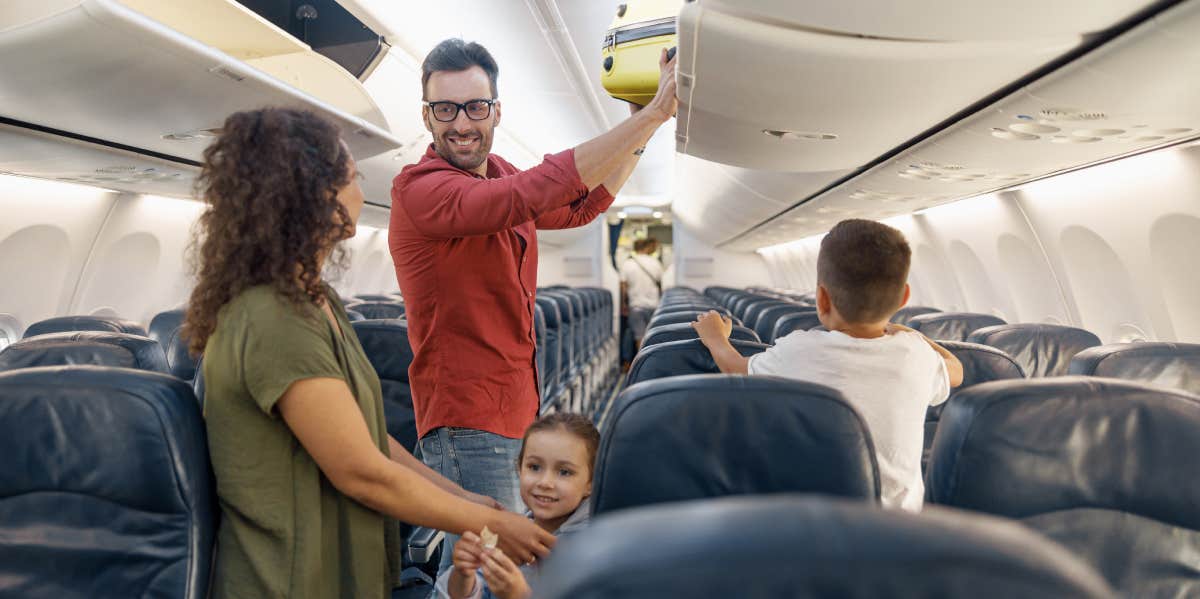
[445,112]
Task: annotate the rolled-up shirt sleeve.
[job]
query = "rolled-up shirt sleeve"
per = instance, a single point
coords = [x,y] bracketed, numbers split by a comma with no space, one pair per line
[449,203]
[578,213]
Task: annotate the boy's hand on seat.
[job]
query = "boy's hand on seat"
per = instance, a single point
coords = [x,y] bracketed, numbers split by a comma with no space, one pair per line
[503,577]
[712,326]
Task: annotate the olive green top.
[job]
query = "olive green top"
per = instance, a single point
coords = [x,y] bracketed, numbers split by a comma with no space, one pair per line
[285,531]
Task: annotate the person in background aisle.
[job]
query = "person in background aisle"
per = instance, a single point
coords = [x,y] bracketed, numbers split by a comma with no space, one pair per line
[463,238]
[641,280]
[309,482]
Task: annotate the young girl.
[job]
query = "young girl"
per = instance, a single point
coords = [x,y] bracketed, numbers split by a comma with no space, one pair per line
[555,471]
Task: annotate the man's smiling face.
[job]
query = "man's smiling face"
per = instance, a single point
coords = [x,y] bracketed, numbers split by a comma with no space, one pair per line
[463,142]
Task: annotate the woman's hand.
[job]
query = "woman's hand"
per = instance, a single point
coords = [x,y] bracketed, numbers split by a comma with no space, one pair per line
[503,577]
[520,537]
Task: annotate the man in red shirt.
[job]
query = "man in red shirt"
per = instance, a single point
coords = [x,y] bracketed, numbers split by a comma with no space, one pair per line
[463,237]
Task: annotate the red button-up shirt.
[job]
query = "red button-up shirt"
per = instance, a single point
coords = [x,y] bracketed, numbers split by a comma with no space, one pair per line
[465,250]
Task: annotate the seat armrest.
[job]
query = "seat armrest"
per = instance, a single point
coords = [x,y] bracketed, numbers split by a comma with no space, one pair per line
[422,544]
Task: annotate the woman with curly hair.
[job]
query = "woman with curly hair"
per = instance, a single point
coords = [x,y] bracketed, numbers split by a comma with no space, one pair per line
[308,479]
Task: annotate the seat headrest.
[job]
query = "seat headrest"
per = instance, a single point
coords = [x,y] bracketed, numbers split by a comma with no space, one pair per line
[684,330]
[1041,349]
[166,328]
[805,546]
[179,357]
[353,315]
[378,297]
[674,358]
[378,310]
[903,315]
[684,316]
[1022,448]
[689,437]
[549,311]
[387,347]
[61,324]
[666,308]
[96,348]
[802,320]
[1174,365]
[106,477]
[952,326]
[163,325]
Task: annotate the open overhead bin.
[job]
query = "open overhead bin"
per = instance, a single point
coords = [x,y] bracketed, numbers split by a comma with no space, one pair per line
[157,78]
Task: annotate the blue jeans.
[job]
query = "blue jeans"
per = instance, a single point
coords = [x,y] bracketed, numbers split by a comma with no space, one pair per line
[480,462]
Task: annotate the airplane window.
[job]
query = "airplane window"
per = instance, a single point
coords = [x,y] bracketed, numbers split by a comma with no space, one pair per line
[10,330]
[1129,333]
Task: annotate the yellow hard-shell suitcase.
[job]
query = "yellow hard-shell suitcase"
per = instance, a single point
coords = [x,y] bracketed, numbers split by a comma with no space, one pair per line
[632,47]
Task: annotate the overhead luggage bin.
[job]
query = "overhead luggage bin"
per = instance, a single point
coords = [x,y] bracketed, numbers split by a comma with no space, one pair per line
[100,70]
[632,47]
[768,94]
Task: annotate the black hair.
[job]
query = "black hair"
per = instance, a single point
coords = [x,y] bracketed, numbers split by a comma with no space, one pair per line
[455,54]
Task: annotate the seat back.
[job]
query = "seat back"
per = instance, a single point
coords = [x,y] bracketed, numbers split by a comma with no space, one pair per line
[98,348]
[796,321]
[804,546]
[60,324]
[567,330]
[981,364]
[905,314]
[378,310]
[684,330]
[387,347]
[167,329]
[1041,349]
[106,491]
[1091,463]
[1173,365]
[674,358]
[552,375]
[539,338]
[690,437]
[952,326]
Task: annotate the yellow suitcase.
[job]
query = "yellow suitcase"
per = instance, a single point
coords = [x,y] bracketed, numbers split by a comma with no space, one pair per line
[632,46]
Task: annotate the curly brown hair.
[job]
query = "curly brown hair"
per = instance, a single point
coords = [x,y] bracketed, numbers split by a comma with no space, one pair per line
[271,180]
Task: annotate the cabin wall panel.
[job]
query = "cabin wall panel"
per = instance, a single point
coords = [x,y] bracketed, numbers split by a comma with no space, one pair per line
[46,236]
[1109,249]
[1122,237]
[138,265]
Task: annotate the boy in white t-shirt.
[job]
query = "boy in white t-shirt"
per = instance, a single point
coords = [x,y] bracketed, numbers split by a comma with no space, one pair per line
[888,372]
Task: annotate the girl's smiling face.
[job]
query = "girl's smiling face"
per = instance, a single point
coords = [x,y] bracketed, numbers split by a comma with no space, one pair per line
[556,476]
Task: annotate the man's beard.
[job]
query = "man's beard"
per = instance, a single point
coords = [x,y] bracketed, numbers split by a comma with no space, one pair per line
[469,162]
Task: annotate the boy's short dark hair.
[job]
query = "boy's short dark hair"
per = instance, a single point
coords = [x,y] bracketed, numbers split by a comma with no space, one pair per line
[457,55]
[863,265]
